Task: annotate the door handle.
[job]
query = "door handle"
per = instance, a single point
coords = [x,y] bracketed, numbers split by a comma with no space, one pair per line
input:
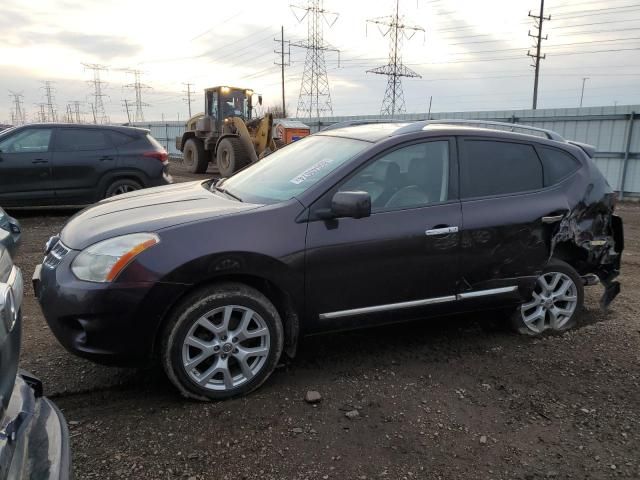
[552,218]
[39,160]
[106,157]
[441,231]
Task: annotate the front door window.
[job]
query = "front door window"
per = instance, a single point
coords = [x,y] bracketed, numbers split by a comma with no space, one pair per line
[27,141]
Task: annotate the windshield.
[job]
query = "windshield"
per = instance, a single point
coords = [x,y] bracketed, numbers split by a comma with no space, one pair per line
[292,170]
[234,104]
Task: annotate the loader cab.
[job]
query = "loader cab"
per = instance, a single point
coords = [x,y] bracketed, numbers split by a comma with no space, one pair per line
[224,102]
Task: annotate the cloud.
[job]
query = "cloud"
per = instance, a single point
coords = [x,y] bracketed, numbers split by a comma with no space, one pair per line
[102,47]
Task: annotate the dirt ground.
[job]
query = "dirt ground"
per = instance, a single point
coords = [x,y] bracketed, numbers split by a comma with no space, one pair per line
[436,399]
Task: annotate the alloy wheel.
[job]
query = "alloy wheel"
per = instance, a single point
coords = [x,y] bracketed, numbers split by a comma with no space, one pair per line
[123,189]
[225,348]
[553,303]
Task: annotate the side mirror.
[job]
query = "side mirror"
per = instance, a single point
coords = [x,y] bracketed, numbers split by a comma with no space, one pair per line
[351,204]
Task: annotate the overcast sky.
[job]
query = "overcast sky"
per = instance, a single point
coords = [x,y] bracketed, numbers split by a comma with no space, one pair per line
[472,56]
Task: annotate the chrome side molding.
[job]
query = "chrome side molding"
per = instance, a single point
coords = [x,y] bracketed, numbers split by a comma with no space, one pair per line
[417,303]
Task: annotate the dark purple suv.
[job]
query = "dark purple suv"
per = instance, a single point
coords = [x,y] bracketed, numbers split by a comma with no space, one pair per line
[347,228]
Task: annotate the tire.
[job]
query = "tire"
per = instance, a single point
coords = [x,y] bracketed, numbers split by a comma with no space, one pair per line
[194,156]
[231,156]
[124,185]
[202,358]
[555,304]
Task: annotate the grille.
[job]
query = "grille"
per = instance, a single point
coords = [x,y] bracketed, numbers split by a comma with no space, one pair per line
[55,256]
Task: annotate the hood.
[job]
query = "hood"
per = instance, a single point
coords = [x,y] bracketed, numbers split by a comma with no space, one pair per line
[147,210]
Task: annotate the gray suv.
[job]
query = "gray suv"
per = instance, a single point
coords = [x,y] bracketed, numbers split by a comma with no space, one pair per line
[66,164]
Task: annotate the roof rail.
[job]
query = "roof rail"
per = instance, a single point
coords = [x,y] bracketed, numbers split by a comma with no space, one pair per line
[510,127]
[364,121]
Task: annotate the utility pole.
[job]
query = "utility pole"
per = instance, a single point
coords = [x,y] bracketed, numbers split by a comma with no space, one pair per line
[52,114]
[393,101]
[539,20]
[97,107]
[126,107]
[18,116]
[429,114]
[188,94]
[283,64]
[315,95]
[584,80]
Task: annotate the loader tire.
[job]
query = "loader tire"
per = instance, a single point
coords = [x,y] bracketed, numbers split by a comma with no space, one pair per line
[231,156]
[194,156]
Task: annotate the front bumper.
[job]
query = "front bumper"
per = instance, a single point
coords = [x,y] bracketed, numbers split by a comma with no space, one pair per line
[34,438]
[109,323]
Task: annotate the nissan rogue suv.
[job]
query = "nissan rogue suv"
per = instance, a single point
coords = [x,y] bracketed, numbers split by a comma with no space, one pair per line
[347,228]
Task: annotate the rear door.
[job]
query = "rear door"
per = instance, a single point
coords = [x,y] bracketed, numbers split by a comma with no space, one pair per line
[402,261]
[82,155]
[507,217]
[25,167]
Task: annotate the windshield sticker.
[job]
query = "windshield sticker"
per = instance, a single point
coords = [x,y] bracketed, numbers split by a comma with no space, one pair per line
[312,171]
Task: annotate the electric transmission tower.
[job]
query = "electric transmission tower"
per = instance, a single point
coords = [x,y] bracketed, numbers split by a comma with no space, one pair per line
[17,115]
[397,31]
[52,114]
[75,110]
[315,96]
[137,87]
[41,113]
[97,106]
[188,94]
[539,20]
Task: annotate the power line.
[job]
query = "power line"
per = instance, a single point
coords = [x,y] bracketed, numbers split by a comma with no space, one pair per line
[393,101]
[314,89]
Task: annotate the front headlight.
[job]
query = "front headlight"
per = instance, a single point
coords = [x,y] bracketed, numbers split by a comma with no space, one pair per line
[103,261]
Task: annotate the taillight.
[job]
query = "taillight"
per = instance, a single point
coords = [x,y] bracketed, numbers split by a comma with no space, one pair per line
[160,155]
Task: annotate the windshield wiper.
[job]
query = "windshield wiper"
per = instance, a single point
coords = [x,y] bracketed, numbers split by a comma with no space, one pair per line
[227,192]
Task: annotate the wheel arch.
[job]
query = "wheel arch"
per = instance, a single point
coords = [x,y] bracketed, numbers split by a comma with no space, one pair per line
[186,136]
[281,300]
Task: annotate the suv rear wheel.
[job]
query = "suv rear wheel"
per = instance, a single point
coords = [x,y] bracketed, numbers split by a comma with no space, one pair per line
[222,341]
[555,303]
[124,185]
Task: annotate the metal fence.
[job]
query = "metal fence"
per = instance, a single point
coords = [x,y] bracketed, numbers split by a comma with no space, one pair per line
[614,131]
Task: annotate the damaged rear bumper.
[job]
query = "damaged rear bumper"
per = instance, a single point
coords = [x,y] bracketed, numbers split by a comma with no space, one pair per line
[608,272]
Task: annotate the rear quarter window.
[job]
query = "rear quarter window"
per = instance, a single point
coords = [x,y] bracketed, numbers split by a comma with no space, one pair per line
[499,168]
[80,140]
[557,164]
[118,138]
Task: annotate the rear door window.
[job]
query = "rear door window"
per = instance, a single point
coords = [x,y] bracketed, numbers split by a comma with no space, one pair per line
[80,140]
[558,165]
[490,167]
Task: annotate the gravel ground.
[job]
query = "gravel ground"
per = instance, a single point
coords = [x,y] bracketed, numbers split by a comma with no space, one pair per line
[437,399]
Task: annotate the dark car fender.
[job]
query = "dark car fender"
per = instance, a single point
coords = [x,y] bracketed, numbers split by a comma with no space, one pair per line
[266,253]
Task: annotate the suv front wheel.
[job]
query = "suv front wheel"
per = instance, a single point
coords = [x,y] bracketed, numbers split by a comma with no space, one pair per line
[555,302]
[222,341]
